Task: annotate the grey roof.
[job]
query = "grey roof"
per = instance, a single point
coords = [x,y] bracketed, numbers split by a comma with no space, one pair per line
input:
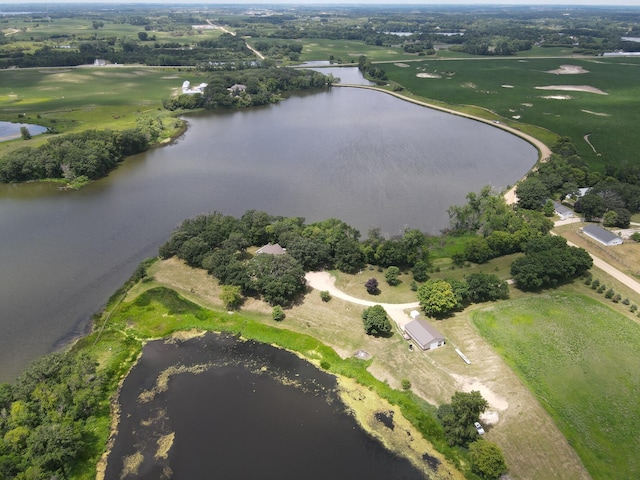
[600,234]
[272,249]
[423,332]
[562,210]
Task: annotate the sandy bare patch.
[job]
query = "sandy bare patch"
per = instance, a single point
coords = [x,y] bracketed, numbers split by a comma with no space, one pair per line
[170,77]
[10,31]
[596,113]
[401,65]
[469,85]
[428,75]
[468,384]
[558,97]
[527,104]
[507,86]
[355,54]
[568,70]
[573,88]
[516,117]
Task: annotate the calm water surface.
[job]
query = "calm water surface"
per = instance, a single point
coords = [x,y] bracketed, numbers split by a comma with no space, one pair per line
[252,411]
[361,156]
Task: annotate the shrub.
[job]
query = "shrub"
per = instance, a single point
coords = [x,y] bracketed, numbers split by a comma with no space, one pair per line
[391,276]
[601,288]
[626,301]
[325,296]
[609,293]
[372,286]
[406,384]
[633,307]
[414,286]
[616,298]
[277,313]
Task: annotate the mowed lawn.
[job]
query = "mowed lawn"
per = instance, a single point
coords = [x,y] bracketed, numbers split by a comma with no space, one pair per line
[507,86]
[581,360]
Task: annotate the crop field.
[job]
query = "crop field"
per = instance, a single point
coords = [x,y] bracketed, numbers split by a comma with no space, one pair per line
[349,51]
[598,97]
[76,99]
[580,359]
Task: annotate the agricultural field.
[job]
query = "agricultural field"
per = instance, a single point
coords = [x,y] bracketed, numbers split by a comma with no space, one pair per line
[574,97]
[579,359]
[77,99]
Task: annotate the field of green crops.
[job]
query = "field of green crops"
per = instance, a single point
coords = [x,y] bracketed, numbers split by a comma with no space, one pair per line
[509,87]
[580,359]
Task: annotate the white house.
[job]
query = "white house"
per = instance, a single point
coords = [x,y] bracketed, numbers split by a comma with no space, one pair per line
[562,211]
[272,249]
[601,235]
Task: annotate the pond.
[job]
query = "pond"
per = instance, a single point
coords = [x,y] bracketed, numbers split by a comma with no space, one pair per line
[240,410]
[11,131]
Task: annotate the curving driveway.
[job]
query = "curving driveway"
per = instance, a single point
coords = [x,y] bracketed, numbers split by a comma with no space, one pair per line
[325,281]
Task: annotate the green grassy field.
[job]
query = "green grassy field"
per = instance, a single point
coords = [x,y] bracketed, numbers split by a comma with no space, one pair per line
[507,86]
[77,99]
[349,51]
[580,359]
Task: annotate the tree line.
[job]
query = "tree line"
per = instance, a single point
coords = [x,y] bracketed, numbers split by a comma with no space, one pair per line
[90,154]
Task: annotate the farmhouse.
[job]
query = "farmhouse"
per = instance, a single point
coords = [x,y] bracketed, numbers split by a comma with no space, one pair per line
[272,249]
[187,90]
[423,333]
[236,89]
[601,235]
[99,62]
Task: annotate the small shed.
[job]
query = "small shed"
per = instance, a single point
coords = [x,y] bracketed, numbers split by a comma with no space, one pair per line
[601,235]
[272,249]
[424,334]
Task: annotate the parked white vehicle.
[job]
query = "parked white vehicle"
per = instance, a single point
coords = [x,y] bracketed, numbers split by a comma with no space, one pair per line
[479,428]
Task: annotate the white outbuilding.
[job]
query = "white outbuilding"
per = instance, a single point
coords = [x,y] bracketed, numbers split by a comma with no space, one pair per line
[601,235]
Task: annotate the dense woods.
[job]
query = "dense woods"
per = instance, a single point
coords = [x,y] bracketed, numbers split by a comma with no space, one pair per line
[89,155]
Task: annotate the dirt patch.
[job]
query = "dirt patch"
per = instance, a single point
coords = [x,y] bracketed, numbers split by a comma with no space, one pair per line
[470,384]
[428,75]
[527,105]
[506,86]
[558,97]
[596,113]
[569,70]
[573,88]
[401,65]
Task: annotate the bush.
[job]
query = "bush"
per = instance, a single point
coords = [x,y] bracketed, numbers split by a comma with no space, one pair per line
[616,298]
[372,286]
[626,301]
[391,276]
[601,288]
[609,293]
[325,296]
[633,307]
[635,237]
[406,384]
[375,321]
[414,286]
[277,313]
[486,459]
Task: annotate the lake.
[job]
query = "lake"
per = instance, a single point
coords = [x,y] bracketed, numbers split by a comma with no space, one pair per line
[362,156]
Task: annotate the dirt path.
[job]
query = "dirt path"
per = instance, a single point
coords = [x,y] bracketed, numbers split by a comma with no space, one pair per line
[324,281]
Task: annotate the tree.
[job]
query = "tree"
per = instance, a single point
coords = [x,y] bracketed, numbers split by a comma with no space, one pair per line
[485,287]
[372,286]
[459,416]
[325,296]
[532,193]
[419,271]
[391,276]
[487,459]
[24,133]
[375,321]
[231,296]
[437,297]
[549,261]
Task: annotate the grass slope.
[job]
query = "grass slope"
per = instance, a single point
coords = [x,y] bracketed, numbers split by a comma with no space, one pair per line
[580,359]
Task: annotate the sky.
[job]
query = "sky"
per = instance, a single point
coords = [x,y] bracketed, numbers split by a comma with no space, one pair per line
[342,2]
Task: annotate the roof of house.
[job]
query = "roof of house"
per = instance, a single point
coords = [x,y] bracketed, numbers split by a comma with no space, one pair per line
[423,332]
[272,249]
[600,234]
[562,210]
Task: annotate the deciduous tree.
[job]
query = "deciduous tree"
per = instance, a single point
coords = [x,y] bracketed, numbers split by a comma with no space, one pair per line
[375,321]
[437,297]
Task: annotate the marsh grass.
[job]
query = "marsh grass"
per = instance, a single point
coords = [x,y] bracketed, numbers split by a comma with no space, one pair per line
[578,357]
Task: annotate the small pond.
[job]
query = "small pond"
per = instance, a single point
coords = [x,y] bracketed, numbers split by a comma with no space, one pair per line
[10,130]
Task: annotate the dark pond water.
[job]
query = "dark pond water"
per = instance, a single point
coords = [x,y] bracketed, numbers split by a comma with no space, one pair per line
[361,156]
[252,411]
